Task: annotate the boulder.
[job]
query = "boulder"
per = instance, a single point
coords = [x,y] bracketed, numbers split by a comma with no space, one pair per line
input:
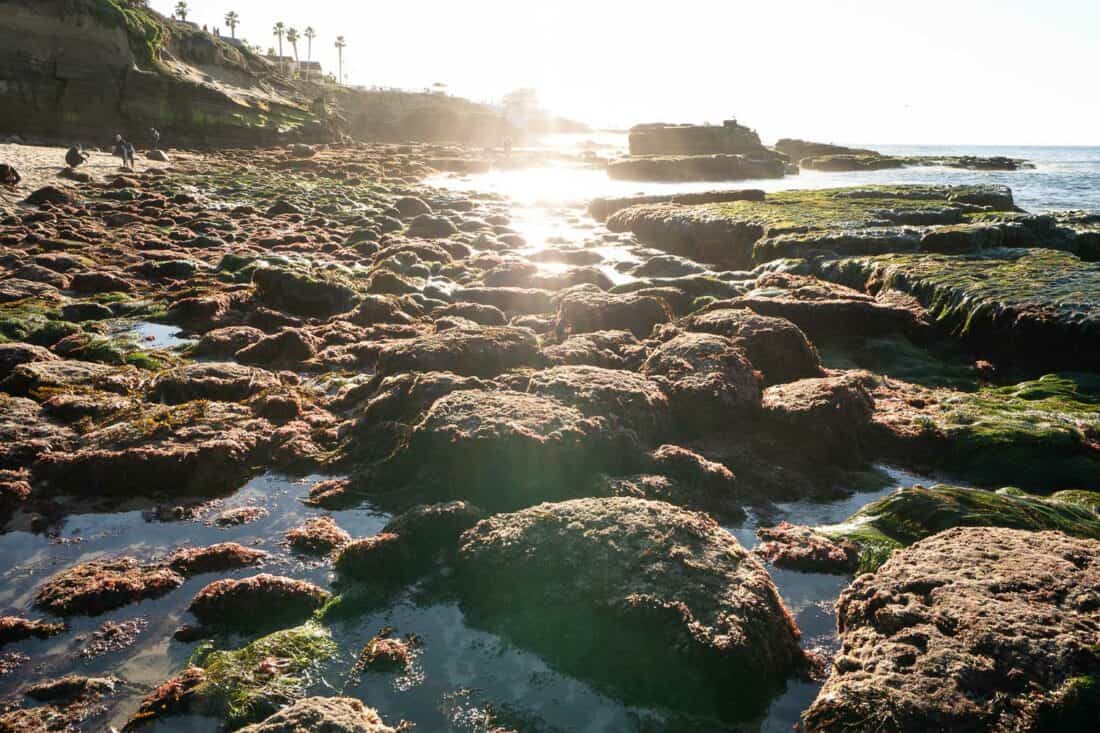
[664,606]
[588,309]
[708,380]
[260,601]
[220,381]
[304,293]
[971,629]
[503,449]
[484,352]
[775,346]
[97,586]
[630,399]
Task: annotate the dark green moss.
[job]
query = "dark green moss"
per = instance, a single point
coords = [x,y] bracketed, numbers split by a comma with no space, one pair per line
[912,514]
[937,365]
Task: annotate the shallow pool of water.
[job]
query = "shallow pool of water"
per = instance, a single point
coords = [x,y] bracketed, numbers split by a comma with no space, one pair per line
[151,335]
[460,673]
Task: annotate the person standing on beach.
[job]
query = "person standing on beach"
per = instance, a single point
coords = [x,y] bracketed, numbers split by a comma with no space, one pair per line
[124,150]
[155,134]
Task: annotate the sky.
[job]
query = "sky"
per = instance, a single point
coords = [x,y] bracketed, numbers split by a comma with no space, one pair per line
[1011,72]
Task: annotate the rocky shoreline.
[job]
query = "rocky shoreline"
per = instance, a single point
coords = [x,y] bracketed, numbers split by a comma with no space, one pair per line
[558,438]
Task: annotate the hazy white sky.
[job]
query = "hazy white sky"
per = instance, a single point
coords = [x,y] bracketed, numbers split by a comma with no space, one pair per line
[935,71]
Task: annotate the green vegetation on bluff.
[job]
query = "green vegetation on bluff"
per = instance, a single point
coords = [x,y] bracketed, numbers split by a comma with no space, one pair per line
[143,27]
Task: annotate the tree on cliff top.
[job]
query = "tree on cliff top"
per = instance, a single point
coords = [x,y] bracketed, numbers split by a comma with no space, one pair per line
[232,20]
[341,44]
[279,30]
[310,34]
[182,10]
[292,38]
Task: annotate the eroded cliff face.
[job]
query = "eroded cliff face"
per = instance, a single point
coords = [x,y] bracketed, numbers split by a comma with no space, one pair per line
[85,69]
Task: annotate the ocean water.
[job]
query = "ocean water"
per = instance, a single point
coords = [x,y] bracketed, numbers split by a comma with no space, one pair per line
[1064,178]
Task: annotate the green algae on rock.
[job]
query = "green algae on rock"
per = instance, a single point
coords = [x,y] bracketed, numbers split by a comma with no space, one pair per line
[1039,434]
[653,603]
[246,684]
[1026,305]
[728,233]
[911,514]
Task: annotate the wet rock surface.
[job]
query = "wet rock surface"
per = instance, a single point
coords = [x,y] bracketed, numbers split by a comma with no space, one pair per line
[667,584]
[314,363]
[1012,614]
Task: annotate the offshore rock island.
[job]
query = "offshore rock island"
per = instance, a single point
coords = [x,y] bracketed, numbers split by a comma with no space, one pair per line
[303,427]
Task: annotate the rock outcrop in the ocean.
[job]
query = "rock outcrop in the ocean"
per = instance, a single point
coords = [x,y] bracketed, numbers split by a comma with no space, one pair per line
[662,152]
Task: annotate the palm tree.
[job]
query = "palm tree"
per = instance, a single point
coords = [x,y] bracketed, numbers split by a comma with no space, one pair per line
[341,44]
[232,20]
[292,39]
[279,30]
[310,34]
[182,10]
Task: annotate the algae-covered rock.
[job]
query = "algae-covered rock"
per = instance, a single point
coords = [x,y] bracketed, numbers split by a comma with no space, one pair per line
[827,416]
[482,352]
[259,601]
[708,379]
[696,167]
[1039,434]
[198,448]
[243,685]
[327,714]
[303,292]
[317,536]
[609,349]
[635,402]
[775,346]
[1031,307]
[970,629]
[224,382]
[101,585]
[728,232]
[911,514]
[217,558]
[654,604]
[503,449]
[585,310]
[16,353]
[828,311]
[17,628]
